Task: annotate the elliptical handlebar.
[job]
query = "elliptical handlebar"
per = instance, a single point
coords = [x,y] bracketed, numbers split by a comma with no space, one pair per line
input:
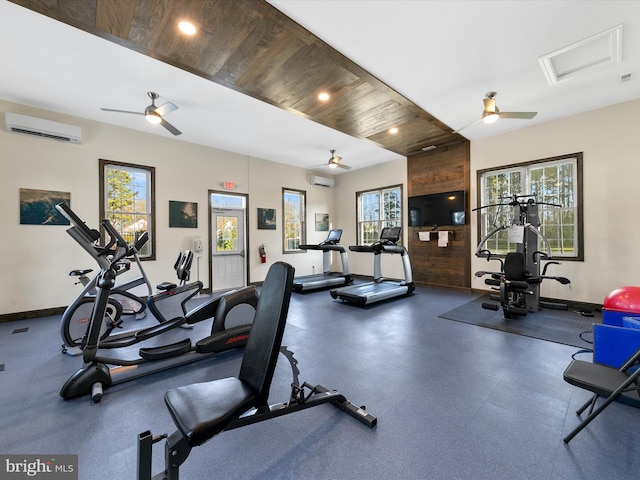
[144,238]
[122,248]
[92,236]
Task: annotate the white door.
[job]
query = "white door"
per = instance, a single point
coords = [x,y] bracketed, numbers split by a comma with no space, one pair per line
[228,249]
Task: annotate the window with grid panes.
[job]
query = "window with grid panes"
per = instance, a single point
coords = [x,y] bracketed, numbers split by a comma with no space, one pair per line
[127,201]
[554,181]
[293,218]
[377,209]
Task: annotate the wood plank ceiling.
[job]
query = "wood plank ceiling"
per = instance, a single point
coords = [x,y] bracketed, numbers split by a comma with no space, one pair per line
[253,48]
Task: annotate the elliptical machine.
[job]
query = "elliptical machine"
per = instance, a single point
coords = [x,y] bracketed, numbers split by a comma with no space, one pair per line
[132,354]
[168,303]
[519,278]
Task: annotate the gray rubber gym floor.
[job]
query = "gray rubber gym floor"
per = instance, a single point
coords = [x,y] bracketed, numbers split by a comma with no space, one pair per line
[453,401]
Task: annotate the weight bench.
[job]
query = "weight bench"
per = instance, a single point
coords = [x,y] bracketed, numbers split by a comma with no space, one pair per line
[203,410]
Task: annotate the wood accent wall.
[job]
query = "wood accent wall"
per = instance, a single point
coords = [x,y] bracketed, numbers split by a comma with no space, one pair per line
[437,171]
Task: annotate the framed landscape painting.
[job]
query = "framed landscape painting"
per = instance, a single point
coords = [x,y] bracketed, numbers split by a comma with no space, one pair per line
[38,207]
[266,218]
[183,214]
[322,222]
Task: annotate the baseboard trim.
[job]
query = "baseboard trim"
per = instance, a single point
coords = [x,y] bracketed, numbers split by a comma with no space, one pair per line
[571,304]
[46,312]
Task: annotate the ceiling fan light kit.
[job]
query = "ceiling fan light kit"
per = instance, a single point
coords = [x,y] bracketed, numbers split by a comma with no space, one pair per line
[153,118]
[490,117]
[491,113]
[334,162]
[154,114]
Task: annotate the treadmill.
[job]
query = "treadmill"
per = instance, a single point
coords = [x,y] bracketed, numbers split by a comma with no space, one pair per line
[381,288]
[327,278]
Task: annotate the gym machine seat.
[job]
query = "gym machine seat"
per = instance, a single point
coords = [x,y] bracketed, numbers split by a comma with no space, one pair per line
[516,285]
[201,411]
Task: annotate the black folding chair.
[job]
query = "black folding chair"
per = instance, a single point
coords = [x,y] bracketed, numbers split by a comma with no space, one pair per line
[612,384]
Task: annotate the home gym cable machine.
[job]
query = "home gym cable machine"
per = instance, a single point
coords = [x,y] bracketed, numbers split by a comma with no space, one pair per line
[520,276]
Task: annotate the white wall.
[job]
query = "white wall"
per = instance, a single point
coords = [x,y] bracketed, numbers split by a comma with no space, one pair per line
[265,185]
[37,259]
[610,141]
[378,176]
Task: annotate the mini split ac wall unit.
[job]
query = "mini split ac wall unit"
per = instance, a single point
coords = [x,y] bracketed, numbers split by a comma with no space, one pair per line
[39,127]
[322,181]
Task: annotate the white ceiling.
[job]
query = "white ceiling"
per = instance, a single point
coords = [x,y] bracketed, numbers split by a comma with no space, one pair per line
[442,55]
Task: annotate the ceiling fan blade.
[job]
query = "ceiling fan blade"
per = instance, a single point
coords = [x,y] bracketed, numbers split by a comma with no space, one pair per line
[521,115]
[343,166]
[121,111]
[467,126]
[170,127]
[168,107]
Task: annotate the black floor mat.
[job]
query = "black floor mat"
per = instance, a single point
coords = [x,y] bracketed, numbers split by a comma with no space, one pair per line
[559,326]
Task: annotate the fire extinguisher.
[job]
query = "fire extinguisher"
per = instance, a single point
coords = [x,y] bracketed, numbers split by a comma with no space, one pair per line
[263,254]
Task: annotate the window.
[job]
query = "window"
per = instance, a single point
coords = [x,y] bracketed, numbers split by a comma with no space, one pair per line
[556,180]
[377,209]
[293,218]
[227,221]
[127,201]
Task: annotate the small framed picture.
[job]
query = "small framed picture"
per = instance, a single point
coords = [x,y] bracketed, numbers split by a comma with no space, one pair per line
[322,222]
[266,218]
[183,214]
[38,207]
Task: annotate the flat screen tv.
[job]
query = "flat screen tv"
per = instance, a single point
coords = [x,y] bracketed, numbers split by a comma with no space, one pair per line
[438,209]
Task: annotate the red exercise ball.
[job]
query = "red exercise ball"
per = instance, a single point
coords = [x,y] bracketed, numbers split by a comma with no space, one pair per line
[623,299]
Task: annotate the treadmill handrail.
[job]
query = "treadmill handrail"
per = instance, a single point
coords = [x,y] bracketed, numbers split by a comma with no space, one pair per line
[379,248]
[325,248]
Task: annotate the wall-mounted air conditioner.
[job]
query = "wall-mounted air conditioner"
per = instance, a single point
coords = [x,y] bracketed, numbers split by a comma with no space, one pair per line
[322,181]
[39,127]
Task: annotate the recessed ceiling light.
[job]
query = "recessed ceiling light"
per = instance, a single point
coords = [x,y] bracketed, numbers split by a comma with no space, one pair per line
[187,28]
[323,96]
[393,130]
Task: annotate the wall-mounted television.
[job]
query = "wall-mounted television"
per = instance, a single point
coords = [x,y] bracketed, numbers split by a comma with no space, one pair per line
[438,209]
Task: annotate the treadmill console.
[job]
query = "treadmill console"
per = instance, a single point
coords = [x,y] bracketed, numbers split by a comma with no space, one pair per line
[390,235]
[333,238]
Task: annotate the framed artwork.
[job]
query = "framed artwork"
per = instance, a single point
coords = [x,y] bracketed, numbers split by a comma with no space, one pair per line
[322,222]
[183,214]
[38,207]
[266,218]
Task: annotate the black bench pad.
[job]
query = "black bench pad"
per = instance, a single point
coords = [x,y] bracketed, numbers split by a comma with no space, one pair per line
[202,410]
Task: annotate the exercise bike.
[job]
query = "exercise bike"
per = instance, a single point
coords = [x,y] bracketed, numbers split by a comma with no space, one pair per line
[131,304]
[519,278]
[169,303]
[122,303]
[131,354]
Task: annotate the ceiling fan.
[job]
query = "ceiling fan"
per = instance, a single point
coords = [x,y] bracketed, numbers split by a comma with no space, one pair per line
[154,114]
[334,162]
[491,113]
